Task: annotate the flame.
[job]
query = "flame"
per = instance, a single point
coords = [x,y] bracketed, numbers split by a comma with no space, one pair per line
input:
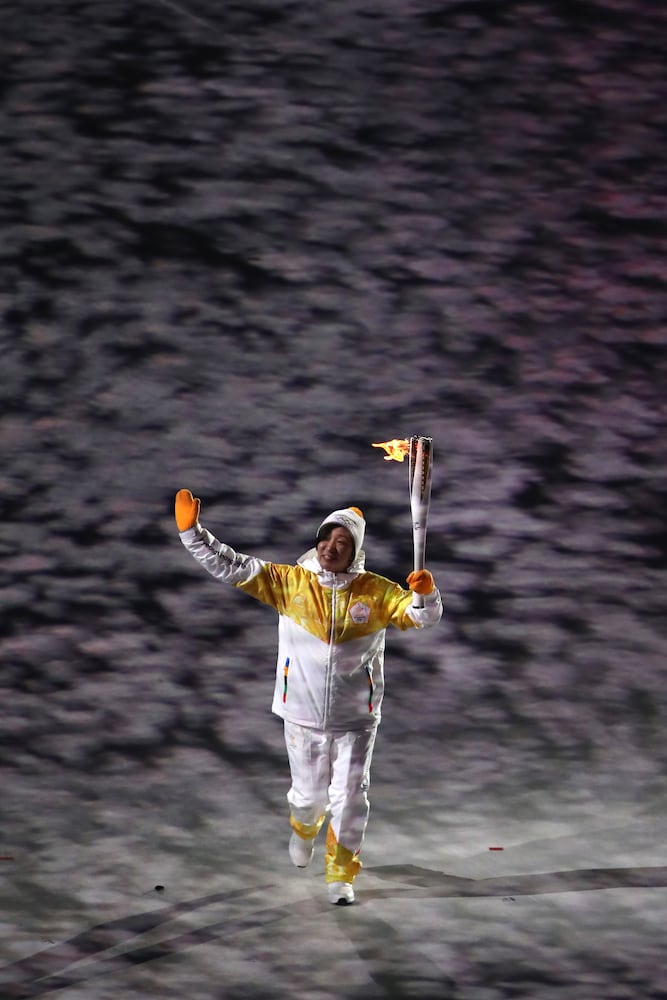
[396,449]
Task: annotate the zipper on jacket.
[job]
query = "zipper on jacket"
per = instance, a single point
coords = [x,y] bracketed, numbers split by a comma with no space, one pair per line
[371,689]
[328,679]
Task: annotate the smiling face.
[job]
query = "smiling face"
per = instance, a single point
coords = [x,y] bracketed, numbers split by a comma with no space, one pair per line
[335,550]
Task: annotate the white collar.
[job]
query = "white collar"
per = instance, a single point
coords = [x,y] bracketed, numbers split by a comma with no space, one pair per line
[325,578]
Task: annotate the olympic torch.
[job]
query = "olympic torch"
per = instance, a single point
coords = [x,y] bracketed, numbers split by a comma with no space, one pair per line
[420,470]
[420,467]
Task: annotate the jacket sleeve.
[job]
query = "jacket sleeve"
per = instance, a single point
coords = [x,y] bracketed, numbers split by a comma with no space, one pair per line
[220,560]
[430,614]
[400,610]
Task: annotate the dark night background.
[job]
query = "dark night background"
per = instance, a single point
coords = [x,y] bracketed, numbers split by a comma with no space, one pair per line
[240,243]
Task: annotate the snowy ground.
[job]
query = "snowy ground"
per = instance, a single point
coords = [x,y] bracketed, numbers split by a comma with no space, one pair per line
[240,244]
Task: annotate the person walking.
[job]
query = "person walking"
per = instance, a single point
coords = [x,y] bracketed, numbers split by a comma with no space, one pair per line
[329,685]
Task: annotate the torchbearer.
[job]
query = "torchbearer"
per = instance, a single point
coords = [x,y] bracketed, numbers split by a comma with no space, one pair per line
[329,682]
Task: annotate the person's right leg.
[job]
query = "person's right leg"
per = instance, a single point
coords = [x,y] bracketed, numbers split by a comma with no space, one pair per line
[308,797]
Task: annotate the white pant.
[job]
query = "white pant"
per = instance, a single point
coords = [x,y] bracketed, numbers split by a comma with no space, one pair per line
[330,772]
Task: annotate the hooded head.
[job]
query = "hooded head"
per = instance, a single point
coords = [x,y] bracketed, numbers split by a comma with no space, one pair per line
[350,518]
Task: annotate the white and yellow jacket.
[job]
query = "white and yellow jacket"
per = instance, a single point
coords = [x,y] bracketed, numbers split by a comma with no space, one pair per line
[331,630]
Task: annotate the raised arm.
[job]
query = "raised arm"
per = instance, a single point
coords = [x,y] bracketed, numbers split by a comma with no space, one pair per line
[220,560]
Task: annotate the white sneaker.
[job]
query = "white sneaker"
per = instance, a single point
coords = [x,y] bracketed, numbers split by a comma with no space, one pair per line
[341,893]
[301,851]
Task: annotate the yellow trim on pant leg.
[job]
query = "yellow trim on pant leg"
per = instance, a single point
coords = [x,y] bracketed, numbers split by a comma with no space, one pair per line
[340,864]
[307,831]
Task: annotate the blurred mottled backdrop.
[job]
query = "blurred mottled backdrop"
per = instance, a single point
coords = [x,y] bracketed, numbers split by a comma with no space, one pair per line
[240,243]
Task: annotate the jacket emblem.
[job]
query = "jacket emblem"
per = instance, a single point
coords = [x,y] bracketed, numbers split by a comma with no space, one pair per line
[359,613]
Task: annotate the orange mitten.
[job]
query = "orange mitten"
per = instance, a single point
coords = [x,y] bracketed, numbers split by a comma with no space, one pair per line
[186,510]
[421,581]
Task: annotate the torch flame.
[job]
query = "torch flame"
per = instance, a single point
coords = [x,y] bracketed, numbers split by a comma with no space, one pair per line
[396,449]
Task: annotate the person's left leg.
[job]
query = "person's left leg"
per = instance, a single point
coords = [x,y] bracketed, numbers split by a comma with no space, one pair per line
[351,755]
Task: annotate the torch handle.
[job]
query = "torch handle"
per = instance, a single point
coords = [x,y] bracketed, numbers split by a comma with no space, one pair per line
[420,472]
